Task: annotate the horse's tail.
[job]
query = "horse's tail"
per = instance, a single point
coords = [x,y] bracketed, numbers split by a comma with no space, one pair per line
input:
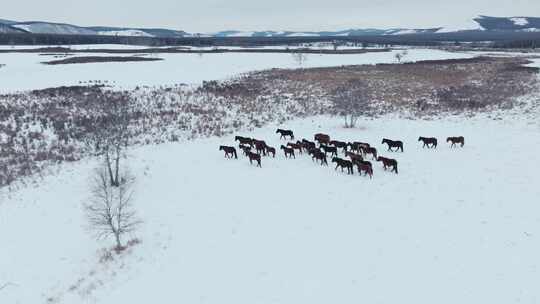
[395,168]
[463,142]
[235,155]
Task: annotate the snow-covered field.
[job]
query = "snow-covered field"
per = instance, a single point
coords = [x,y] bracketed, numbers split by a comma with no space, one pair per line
[23,71]
[455,226]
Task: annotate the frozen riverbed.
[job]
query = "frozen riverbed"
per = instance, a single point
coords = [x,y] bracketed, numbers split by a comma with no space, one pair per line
[23,71]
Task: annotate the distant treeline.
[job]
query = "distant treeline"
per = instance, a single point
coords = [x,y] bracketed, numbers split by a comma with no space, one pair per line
[491,38]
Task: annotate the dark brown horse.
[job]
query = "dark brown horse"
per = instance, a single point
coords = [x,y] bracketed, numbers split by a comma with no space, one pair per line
[430,142]
[339,144]
[369,150]
[285,133]
[354,157]
[306,144]
[271,150]
[295,146]
[456,140]
[357,146]
[328,149]
[229,151]
[398,144]
[322,138]
[343,163]
[245,148]
[365,167]
[388,162]
[289,152]
[244,140]
[254,157]
[316,154]
[260,147]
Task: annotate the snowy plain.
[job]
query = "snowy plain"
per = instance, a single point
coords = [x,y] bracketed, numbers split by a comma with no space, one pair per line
[455,226]
[24,71]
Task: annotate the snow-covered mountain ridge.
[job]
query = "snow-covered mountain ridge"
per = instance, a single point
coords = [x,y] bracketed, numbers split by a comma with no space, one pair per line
[518,24]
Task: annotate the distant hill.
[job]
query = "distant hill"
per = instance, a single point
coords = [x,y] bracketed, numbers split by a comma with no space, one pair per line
[483,23]
[509,23]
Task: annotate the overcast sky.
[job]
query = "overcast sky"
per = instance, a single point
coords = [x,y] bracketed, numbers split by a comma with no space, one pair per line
[213,15]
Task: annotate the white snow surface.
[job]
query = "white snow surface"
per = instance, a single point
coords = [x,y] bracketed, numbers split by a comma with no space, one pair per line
[47,28]
[137,33]
[455,226]
[23,71]
[520,21]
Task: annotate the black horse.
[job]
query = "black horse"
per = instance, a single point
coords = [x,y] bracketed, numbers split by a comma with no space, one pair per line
[339,144]
[343,163]
[229,151]
[456,140]
[244,140]
[254,157]
[430,142]
[285,133]
[393,144]
[271,150]
[328,149]
[316,154]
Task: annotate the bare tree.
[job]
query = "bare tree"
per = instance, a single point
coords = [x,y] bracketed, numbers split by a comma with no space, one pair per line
[401,55]
[110,209]
[350,100]
[299,57]
[108,133]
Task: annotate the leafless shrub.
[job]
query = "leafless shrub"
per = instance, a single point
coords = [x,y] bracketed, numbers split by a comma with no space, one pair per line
[351,100]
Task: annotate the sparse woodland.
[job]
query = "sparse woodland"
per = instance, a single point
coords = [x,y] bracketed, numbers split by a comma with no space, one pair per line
[45,127]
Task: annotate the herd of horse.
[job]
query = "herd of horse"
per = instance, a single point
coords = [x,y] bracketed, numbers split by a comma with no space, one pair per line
[356,153]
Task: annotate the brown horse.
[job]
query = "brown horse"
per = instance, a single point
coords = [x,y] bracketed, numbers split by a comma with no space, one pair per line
[244,140]
[456,140]
[285,133]
[289,152]
[254,157]
[398,144]
[388,162]
[343,163]
[430,142]
[322,138]
[229,151]
[295,146]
